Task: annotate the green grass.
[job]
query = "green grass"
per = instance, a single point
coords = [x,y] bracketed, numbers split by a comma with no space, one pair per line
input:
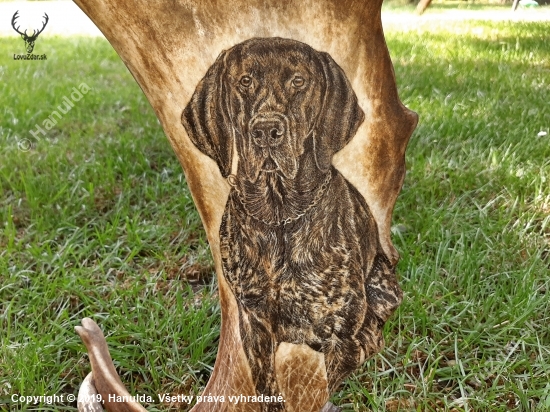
[449,6]
[472,224]
[96,220]
[445,5]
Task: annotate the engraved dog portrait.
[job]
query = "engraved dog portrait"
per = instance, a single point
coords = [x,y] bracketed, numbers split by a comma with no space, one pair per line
[299,246]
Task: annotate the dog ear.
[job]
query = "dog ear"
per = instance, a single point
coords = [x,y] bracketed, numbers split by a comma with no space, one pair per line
[206,117]
[340,115]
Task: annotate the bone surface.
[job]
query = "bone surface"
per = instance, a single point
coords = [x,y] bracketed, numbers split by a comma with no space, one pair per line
[105,379]
[88,400]
[287,123]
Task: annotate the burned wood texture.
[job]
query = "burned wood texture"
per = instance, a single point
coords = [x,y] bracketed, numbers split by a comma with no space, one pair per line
[286,119]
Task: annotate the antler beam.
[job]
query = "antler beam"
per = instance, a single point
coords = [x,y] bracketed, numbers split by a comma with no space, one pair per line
[292,143]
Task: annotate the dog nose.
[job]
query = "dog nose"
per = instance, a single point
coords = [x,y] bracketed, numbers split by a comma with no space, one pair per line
[268,132]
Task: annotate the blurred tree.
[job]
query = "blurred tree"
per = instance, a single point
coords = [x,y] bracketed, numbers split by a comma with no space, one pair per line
[422,5]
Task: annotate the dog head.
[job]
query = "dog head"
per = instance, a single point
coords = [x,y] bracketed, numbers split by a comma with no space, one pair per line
[268,96]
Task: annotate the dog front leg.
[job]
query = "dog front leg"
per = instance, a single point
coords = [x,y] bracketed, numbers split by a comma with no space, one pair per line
[259,345]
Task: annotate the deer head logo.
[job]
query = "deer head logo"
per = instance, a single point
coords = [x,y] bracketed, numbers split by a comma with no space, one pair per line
[29,40]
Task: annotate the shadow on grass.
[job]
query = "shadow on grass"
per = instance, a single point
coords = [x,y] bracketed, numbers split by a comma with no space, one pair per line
[494,91]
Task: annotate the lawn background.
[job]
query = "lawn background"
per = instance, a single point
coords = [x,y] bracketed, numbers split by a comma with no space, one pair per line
[96,220]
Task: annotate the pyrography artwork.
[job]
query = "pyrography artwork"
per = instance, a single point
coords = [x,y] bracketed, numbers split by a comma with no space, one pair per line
[299,246]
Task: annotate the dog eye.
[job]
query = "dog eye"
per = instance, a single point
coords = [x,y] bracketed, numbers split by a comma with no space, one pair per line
[246,81]
[298,81]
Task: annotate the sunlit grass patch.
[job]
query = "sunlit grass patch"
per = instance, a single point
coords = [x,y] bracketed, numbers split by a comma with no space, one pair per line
[96,220]
[472,225]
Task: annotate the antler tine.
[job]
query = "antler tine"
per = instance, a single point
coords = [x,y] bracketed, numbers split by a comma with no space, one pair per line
[43,25]
[15,17]
[35,33]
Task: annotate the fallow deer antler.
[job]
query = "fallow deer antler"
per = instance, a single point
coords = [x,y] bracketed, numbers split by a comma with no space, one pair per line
[168,63]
